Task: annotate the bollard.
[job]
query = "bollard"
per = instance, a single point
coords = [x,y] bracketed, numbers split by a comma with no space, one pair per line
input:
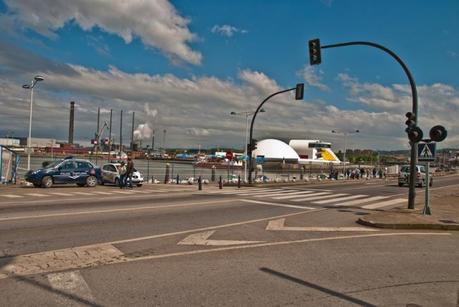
[199,183]
[166,176]
[177,179]
[212,178]
[220,183]
[239,181]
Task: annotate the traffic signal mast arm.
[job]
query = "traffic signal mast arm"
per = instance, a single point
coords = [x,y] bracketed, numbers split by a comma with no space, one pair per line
[414,93]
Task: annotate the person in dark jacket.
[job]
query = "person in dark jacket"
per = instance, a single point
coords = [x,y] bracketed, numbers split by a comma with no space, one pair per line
[129,172]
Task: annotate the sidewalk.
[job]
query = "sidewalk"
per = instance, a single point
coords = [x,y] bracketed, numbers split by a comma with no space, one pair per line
[444,205]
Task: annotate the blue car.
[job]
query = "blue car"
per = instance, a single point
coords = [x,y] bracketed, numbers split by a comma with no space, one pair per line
[68,170]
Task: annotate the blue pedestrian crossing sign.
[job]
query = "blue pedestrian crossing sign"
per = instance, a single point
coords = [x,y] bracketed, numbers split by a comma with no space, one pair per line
[426,151]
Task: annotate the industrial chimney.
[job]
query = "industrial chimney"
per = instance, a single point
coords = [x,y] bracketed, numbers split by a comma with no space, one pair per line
[71,121]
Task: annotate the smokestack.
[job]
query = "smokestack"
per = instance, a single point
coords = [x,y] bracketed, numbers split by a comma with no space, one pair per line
[132,131]
[71,121]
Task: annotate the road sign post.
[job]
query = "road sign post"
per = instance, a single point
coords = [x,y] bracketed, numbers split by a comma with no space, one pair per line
[427,152]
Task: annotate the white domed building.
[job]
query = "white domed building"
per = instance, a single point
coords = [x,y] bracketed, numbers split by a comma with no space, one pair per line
[275,151]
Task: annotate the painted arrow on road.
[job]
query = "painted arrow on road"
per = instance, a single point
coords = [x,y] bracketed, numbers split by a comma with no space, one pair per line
[280,225]
[202,239]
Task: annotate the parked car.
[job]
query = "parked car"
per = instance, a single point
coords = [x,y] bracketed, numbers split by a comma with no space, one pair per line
[404,176]
[65,171]
[111,175]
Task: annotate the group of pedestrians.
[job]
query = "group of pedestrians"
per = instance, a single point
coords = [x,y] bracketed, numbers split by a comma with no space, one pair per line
[359,173]
[126,171]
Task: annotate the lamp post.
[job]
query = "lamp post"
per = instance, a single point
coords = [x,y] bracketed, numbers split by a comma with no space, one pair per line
[247,115]
[30,87]
[345,133]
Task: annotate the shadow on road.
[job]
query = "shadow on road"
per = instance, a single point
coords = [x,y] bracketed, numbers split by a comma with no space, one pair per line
[317,287]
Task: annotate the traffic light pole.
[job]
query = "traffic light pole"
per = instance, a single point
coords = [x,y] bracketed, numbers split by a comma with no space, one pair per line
[249,150]
[414,93]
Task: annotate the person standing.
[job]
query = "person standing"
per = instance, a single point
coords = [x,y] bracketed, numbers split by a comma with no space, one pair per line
[122,171]
[129,172]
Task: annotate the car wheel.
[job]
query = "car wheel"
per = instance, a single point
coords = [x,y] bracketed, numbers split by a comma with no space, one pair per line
[47,182]
[91,181]
[139,185]
[400,184]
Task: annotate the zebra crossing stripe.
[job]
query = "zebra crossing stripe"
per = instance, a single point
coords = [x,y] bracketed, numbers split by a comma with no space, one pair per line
[309,196]
[82,193]
[232,191]
[102,193]
[361,201]
[36,194]
[271,194]
[61,194]
[12,196]
[385,203]
[319,197]
[335,200]
[254,191]
[293,195]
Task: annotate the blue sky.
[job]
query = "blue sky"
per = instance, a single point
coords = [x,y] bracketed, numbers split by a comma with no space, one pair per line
[203,59]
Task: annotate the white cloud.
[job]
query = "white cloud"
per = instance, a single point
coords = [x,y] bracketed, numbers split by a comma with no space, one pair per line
[197,132]
[227,30]
[313,77]
[156,23]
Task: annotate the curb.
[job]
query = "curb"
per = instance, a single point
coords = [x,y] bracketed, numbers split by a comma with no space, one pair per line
[436,226]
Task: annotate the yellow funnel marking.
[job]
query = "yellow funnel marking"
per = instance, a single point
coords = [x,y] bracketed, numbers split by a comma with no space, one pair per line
[326,155]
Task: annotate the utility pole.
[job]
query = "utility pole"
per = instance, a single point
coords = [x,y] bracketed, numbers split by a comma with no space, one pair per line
[110,136]
[121,133]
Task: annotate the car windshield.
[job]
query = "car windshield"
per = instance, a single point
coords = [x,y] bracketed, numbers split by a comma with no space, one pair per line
[54,164]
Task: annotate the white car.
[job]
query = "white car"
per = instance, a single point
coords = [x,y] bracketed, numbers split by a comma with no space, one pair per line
[111,174]
[404,176]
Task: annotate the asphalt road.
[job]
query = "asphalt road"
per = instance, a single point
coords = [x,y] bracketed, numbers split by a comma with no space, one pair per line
[155,246]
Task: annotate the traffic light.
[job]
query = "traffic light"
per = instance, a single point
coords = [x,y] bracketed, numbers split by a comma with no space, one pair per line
[411,120]
[106,141]
[299,91]
[438,133]
[415,134]
[94,142]
[314,52]
[254,145]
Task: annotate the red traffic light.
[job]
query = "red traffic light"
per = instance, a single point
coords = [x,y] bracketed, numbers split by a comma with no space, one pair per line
[438,133]
[411,119]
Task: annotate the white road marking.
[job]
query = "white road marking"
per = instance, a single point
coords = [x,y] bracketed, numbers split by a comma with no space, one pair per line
[334,200]
[319,197]
[105,253]
[36,194]
[309,196]
[270,194]
[12,196]
[385,203]
[275,204]
[61,194]
[233,191]
[83,193]
[12,218]
[293,195]
[280,225]
[269,191]
[102,193]
[60,260]
[71,283]
[280,243]
[202,238]
[361,201]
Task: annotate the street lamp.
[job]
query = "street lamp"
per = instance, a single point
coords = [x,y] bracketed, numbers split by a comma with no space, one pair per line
[247,115]
[345,133]
[30,87]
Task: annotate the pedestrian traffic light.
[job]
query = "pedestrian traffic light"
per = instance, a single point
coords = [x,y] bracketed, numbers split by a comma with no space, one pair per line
[411,120]
[94,142]
[299,91]
[314,52]
[253,147]
[438,133]
[415,134]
